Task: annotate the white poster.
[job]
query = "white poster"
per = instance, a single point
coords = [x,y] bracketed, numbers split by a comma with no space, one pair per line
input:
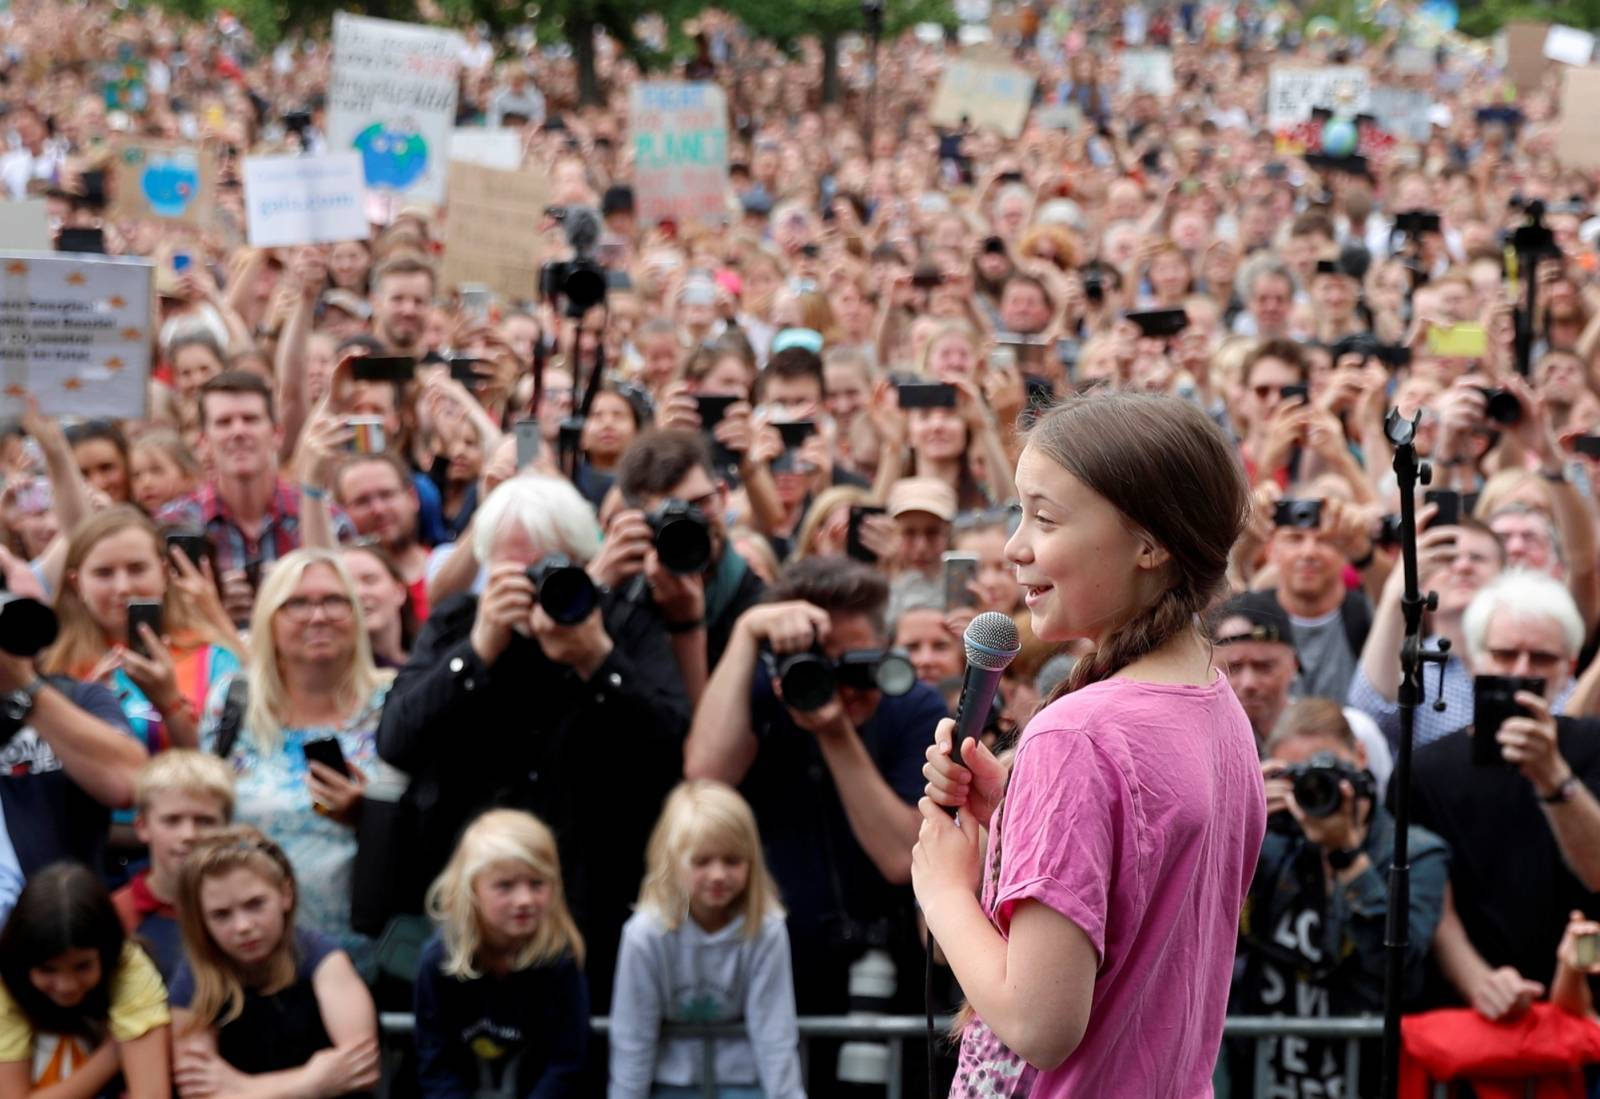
[1147,71]
[501,148]
[1569,45]
[392,98]
[1402,112]
[25,225]
[1292,94]
[680,151]
[75,332]
[304,199]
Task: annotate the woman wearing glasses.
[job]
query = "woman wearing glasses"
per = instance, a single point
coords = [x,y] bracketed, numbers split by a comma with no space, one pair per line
[311,679]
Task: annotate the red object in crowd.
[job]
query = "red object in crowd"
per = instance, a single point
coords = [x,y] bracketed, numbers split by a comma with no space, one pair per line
[1545,1046]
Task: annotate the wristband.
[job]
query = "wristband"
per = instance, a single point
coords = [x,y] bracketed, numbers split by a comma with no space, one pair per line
[1343,860]
[1564,792]
[312,492]
[690,626]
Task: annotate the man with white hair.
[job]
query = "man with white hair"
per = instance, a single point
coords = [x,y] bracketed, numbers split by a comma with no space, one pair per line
[509,702]
[1525,836]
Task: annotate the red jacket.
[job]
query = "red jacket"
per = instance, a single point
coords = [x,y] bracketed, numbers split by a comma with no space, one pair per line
[1545,1045]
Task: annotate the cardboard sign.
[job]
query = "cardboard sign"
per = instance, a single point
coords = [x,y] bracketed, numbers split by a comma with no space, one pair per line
[1569,45]
[1292,94]
[492,229]
[994,97]
[304,199]
[1578,128]
[1402,112]
[1525,60]
[500,148]
[160,179]
[75,332]
[1147,71]
[25,226]
[392,98]
[680,151]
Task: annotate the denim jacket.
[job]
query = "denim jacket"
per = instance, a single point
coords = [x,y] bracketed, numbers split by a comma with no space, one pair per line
[1289,878]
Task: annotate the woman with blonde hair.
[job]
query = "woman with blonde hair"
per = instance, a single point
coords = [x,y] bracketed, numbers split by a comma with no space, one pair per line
[162,677]
[706,944]
[260,1005]
[301,740]
[500,998]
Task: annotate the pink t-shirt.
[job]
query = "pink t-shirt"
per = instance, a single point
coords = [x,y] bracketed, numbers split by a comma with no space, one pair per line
[1136,810]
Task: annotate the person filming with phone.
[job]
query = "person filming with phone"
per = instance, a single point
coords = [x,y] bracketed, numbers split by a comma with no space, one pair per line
[1513,794]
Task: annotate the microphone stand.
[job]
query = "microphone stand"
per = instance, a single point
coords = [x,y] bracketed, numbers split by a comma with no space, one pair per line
[1533,243]
[1409,471]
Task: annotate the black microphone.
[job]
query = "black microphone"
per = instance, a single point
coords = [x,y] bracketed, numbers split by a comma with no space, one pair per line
[992,643]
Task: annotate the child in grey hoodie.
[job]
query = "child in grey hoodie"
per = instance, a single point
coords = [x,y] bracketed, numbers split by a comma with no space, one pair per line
[706,944]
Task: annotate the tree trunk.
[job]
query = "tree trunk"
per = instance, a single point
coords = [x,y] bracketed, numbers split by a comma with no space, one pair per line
[830,68]
[581,32]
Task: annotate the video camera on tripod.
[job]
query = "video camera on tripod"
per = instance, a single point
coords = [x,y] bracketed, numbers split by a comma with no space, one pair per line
[580,282]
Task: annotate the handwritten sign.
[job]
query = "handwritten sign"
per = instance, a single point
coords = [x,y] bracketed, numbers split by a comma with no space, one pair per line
[304,199]
[161,179]
[392,98]
[1402,112]
[994,97]
[492,231]
[680,151]
[74,332]
[1525,62]
[1292,94]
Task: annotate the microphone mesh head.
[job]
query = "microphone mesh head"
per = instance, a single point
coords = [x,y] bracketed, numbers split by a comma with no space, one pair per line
[992,641]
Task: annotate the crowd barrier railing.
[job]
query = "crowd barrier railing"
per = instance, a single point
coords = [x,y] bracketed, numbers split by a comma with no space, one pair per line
[896,1031]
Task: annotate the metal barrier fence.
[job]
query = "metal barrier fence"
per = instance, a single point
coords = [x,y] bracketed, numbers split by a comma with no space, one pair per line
[896,1030]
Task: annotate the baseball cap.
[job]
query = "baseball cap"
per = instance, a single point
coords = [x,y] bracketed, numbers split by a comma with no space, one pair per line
[1266,620]
[927,494]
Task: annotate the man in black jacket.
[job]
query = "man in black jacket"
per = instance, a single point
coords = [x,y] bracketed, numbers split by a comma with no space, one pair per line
[502,706]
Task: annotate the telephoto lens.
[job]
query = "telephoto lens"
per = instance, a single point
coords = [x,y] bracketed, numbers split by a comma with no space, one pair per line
[565,591]
[682,537]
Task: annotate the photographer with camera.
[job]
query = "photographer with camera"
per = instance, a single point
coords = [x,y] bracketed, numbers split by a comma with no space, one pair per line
[825,734]
[1513,796]
[506,694]
[668,549]
[1312,931]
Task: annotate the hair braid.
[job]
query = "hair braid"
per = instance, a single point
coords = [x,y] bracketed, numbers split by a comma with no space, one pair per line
[1139,636]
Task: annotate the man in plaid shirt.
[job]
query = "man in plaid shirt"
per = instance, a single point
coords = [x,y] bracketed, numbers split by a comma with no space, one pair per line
[249,512]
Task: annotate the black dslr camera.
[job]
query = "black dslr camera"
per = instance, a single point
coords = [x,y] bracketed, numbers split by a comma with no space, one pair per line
[1316,787]
[1501,406]
[565,591]
[809,679]
[580,281]
[682,537]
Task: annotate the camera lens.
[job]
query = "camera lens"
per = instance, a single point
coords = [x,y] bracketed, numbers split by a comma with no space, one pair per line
[895,674]
[27,626]
[1317,791]
[807,681]
[565,591]
[1501,406]
[683,541]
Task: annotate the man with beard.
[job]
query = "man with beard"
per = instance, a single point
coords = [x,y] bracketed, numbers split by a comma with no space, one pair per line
[377,492]
[402,292]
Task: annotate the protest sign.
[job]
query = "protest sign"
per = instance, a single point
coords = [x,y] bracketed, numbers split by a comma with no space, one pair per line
[994,97]
[1402,112]
[499,148]
[75,333]
[1569,45]
[1525,61]
[1147,71]
[492,229]
[161,179]
[1292,94]
[1578,130]
[304,199]
[25,226]
[680,151]
[392,98]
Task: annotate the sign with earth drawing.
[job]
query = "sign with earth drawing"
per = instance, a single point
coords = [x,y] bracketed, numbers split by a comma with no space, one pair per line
[392,98]
[160,179]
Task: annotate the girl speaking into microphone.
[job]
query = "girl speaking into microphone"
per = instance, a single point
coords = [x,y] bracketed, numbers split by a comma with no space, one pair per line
[1096,944]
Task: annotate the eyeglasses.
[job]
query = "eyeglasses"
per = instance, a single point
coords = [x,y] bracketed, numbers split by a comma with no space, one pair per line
[335,608]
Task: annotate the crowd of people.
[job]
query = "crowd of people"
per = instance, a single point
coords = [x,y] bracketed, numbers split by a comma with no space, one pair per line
[513,663]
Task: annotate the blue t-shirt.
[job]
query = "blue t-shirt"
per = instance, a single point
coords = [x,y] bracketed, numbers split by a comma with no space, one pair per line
[821,869]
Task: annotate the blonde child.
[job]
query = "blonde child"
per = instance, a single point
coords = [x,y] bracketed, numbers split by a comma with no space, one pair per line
[260,1006]
[501,1005]
[706,944]
[179,796]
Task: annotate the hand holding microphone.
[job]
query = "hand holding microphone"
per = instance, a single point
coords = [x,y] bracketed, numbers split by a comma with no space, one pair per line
[961,772]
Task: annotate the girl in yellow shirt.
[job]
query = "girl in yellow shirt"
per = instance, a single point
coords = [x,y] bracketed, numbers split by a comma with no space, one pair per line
[79,1002]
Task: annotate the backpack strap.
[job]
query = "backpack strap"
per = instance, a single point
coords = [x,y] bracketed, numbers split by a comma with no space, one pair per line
[1356,616]
[232,719]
